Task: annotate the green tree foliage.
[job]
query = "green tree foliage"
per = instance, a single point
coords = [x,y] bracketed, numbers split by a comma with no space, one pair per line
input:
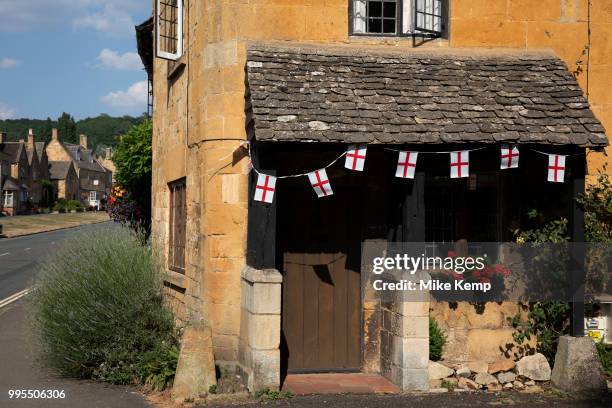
[597,205]
[66,127]
[133,160]
[102,131]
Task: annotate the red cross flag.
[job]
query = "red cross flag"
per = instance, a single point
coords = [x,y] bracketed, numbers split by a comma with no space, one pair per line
[406,165]
[264,191]
[460,164]
[556,168]
[320,183]
[509,157]
[355,157]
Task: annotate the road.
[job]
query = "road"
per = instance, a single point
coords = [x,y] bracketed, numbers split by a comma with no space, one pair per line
[19,258]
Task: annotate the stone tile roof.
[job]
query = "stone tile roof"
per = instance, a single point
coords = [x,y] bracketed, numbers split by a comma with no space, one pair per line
[10,184]
[454,96]
[78,152]
[13,150]
[58,170]
[40,149]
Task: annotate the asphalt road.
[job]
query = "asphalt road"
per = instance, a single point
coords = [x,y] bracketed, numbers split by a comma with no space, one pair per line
[19,257]
[18,369]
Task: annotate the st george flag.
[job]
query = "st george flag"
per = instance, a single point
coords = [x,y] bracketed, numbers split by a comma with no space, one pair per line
[355,157]
[320,183]
[264,190]
[556,168]
[406,165]
[460,164]
[509,157]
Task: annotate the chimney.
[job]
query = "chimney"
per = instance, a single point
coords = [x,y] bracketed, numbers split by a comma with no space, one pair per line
[54,134]
[31,139]
[3,137]
[109,153]
[83,141]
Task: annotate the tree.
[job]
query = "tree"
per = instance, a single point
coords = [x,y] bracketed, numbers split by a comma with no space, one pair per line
[133,162]
[45,135]
[66,127]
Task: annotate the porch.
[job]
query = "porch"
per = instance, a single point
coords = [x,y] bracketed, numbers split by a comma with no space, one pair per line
[304,303]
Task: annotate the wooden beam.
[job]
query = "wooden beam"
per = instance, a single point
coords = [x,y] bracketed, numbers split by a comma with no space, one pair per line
[578,166]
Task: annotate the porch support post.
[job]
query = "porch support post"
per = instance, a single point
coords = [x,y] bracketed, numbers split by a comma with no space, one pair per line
[577,252]
[260,328]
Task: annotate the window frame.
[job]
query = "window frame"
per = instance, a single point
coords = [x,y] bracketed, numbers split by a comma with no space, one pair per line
[8,194]
[400,23]
[173,265]
[179,40]
[94,194]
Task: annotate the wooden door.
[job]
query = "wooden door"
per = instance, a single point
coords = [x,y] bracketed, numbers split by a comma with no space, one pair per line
[321,316]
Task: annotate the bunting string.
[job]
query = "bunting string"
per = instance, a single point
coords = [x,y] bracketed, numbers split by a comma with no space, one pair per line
[406,166]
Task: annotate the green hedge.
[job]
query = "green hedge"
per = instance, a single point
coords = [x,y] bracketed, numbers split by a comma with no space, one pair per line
[97,311]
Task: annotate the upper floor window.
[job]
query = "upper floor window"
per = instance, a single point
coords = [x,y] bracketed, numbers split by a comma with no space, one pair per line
[169,30]
[399,17]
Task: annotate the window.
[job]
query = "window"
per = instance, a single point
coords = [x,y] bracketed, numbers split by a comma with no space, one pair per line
[178,221]
[399,17]
[8,199]
[96,182]
[93,195]
[24,196]
[169,34]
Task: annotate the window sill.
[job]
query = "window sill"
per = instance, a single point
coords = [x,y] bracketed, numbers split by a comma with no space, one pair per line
[176,67]
[406,39]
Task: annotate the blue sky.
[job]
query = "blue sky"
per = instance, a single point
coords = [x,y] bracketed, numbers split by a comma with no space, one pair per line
[77,56]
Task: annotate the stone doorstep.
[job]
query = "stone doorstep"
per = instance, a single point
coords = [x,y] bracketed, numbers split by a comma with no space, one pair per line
[338,383]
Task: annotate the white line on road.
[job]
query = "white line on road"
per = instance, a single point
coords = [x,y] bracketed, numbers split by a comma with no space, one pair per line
[14,297]
[27,249]
[7,253]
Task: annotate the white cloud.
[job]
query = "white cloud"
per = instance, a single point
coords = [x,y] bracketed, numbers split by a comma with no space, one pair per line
[111,20]
[108,16]
[6,112]
[8,63]
[113,60]
[134,97]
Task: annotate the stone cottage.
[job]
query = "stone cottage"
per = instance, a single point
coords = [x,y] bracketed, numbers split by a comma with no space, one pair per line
[19,196]
[94,181]
[275,288]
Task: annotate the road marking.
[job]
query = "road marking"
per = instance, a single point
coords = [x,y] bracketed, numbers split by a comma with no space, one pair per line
[14,297]
[7,253]
[27,249]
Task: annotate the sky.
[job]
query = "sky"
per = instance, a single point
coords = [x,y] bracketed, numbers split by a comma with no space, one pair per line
[75,56]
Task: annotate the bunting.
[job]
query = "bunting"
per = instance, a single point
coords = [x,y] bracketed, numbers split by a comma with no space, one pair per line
[320,183]
[509,157]
[264,190]
[460,164]
[406,165]
[556,168]
[355,157]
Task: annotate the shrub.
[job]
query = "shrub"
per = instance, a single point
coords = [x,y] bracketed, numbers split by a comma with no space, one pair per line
[60,205]
[73,205]
[605,355]
[97,312]
[437,340]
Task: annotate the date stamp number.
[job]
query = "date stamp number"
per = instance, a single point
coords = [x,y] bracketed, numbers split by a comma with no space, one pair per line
[36,394]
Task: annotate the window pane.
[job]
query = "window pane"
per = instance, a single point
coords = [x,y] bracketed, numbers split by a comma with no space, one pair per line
[374,9]
[389,9]
[389,26]
[374,25]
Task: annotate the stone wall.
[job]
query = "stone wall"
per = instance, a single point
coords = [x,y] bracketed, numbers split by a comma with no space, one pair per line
[476,332]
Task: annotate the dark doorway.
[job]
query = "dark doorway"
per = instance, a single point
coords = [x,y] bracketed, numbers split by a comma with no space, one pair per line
[321,316]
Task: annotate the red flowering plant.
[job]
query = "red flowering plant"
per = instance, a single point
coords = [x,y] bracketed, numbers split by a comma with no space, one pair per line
[122,208]
[484,271]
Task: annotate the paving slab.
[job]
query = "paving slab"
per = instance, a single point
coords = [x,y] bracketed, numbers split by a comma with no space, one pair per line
[18,370]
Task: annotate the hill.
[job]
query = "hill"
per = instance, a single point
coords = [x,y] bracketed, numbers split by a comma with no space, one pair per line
[101,130]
